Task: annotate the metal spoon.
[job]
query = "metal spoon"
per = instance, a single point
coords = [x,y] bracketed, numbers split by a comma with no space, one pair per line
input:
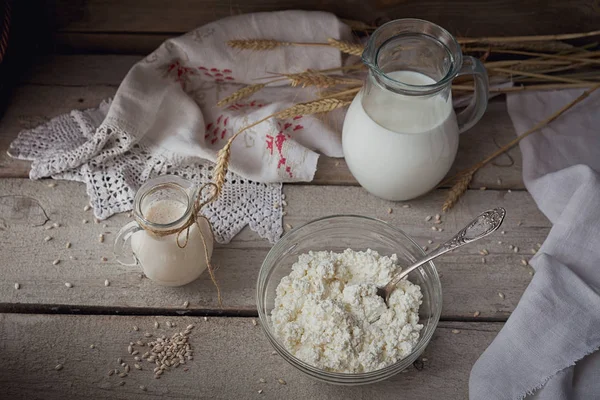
[480,227]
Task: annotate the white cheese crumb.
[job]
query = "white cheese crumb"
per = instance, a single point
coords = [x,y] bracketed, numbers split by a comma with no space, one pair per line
[323,308]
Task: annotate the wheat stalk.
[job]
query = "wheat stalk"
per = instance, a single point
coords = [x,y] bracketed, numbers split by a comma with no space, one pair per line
[573,57]
[516,63]
[519,39]
[553,86]
[539,66]
[566,68]
[311,78]
[221,167]
[471,170]
[323,71]
[266,44]
[256,44]
[345,47]
[343,93]
[336,93]
[241,94]
[358,25]
[457,191]
[535,75]
[555,46]
[313,107]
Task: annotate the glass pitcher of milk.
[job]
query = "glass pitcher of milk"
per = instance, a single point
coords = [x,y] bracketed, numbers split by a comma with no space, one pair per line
[162,206]
[400,134]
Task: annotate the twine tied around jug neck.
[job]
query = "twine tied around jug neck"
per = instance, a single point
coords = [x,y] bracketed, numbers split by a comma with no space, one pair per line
[194,217]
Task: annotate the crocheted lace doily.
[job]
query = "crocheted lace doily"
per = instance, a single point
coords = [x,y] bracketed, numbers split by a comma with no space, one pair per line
[75,146]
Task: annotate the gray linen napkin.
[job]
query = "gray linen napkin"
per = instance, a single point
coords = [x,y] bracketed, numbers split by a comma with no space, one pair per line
[547,348]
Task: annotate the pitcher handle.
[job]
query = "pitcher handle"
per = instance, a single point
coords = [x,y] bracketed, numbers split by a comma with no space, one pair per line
[474,111]
[122,241]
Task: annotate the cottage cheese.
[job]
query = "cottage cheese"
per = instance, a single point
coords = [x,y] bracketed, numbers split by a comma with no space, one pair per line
[323,307]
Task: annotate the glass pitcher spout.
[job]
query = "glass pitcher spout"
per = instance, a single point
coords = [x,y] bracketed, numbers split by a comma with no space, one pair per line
[413,45]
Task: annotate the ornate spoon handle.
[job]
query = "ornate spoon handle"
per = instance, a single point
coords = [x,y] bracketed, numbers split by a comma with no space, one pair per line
[480,227]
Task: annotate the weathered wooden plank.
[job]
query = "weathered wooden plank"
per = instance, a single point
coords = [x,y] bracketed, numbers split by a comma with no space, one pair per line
[108,43]
[502,17]
[468,284]
[59,84]
[79,70]
[230,357]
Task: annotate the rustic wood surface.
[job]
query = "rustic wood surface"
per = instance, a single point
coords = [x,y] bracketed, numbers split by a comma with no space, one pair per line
[117,25]
[230,357]
[468,284]
[56,85]
[232,354]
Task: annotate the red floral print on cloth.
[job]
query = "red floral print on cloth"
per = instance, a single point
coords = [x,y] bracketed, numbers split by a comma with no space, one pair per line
[180,72]
[217,130]
[219,75]
[242,106]
[276,143]
[221,128]
[177,70]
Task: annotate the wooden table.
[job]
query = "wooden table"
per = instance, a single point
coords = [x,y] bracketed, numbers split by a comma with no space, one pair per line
[44,323]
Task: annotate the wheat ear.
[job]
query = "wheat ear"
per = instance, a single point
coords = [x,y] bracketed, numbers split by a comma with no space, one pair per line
[256,44]
[241,94]
[266,44]
[313,107]
[345,47]
[457,191]
[310,78]
[221,166]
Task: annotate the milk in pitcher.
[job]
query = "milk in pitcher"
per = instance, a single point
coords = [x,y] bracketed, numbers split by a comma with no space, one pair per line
[400,134]
[406,144]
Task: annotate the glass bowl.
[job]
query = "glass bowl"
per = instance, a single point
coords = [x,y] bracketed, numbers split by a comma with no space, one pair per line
[337,233]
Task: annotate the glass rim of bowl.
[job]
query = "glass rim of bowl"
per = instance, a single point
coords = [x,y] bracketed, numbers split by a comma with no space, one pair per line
[342,377]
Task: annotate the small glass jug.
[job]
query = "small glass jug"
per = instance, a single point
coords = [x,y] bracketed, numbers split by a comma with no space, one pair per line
[167,252]
[400,134]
